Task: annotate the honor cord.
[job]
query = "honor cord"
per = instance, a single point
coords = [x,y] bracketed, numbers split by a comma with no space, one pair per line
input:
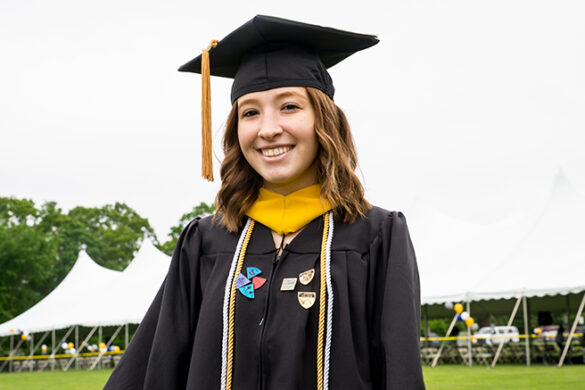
[329,303]
[228,307]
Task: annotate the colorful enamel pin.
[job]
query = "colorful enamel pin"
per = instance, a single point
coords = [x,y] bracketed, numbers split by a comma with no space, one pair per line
[307,299]
[247,284]
[306,277]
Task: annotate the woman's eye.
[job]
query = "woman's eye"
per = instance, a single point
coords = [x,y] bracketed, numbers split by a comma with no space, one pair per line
[290,107]
[249,113]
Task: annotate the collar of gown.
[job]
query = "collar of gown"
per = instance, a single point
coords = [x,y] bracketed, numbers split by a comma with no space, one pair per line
[288,213]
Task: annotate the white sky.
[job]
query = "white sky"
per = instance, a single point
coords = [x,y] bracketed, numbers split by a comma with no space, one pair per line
[471,106]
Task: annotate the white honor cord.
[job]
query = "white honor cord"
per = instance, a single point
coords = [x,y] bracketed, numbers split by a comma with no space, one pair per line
[226,304]
[329,303]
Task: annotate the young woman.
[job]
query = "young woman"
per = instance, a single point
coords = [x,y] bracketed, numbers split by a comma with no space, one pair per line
[297,282]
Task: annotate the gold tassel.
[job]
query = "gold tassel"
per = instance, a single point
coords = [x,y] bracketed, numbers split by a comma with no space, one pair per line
[206,149]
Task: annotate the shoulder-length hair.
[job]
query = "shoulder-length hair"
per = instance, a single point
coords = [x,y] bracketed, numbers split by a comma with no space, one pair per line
[337,161]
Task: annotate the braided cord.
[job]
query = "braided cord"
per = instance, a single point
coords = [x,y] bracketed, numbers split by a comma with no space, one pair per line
[229,307]
[322,299]
[329,303]
[232,314]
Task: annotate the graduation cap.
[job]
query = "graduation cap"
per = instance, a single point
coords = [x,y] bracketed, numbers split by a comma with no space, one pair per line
[268,52]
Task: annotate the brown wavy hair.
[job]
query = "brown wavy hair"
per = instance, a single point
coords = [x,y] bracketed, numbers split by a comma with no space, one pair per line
[337,161]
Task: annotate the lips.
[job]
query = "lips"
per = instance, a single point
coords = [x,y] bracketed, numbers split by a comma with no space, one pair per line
[274,152]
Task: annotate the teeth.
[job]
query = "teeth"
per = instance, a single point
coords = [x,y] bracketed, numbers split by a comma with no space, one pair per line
[275,151]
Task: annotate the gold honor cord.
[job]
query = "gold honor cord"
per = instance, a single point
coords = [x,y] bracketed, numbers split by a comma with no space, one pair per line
[322,298]
[232,312]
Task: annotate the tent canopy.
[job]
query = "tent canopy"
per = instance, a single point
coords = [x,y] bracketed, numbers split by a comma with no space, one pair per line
[61,308]
[91,295]
[536,255]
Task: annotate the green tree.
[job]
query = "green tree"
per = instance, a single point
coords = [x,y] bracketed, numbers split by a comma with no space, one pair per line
[112,233]
[17,212]
[26,258]
[201,210]
[39,246]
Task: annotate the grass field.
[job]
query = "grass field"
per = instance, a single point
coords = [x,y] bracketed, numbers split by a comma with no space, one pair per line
[442,377]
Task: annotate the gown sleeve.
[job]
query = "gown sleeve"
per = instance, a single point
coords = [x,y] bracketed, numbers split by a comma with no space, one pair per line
[158,355]
[396,320]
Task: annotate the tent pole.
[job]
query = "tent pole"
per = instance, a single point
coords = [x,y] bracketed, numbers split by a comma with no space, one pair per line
[526,330]
[32,351]
[11,348]
[76,346]
[469,351]
[53,351]
[126,336]
[98,360]
[570,338]
[33,348]
[78,350]
[11,356]
[438,355]
[501,345]
[426,322]
[100,335]
[67,334]
[568,307]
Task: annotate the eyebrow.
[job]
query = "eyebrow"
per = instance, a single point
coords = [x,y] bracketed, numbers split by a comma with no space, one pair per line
[280,95]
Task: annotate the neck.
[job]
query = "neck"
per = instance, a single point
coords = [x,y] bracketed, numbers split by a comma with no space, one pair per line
[286,188]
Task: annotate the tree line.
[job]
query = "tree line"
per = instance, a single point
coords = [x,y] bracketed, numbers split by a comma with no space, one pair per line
[40,244]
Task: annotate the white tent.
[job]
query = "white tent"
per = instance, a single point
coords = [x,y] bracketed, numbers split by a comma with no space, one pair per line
[60,309]
[526,255]
[126,299]
[550,259]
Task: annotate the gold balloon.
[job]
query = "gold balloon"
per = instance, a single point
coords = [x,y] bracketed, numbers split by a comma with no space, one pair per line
[23,336]
[470,321]
[458,308]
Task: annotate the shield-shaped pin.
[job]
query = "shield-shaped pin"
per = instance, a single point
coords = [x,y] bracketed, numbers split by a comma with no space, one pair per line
[306,277]
[307,299]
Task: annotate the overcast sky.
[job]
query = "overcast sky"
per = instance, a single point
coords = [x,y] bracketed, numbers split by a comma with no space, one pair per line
[468,106]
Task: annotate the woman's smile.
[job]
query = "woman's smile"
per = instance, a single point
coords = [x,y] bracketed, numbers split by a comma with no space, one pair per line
[275,151]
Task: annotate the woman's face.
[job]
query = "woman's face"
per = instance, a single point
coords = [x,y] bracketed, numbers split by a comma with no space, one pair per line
[277,136]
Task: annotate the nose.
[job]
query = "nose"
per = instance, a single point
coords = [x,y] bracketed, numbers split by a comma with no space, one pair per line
[270,126]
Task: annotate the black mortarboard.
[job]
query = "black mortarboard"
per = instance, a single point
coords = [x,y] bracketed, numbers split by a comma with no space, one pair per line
[268,52]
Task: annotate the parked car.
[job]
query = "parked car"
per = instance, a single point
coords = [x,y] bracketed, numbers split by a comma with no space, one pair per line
[493,335]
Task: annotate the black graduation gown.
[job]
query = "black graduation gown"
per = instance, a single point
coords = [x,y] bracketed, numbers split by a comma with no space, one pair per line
[376,320]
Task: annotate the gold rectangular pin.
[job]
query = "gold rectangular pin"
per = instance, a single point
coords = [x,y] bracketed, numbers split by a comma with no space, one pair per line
[288,284]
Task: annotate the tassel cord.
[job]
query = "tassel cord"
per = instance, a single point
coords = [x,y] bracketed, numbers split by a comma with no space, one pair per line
[206,146]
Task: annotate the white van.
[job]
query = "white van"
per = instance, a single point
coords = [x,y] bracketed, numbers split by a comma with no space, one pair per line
[493,335]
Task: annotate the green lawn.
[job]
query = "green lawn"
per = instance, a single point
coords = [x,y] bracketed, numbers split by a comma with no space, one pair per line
[505,377]
[442,377]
